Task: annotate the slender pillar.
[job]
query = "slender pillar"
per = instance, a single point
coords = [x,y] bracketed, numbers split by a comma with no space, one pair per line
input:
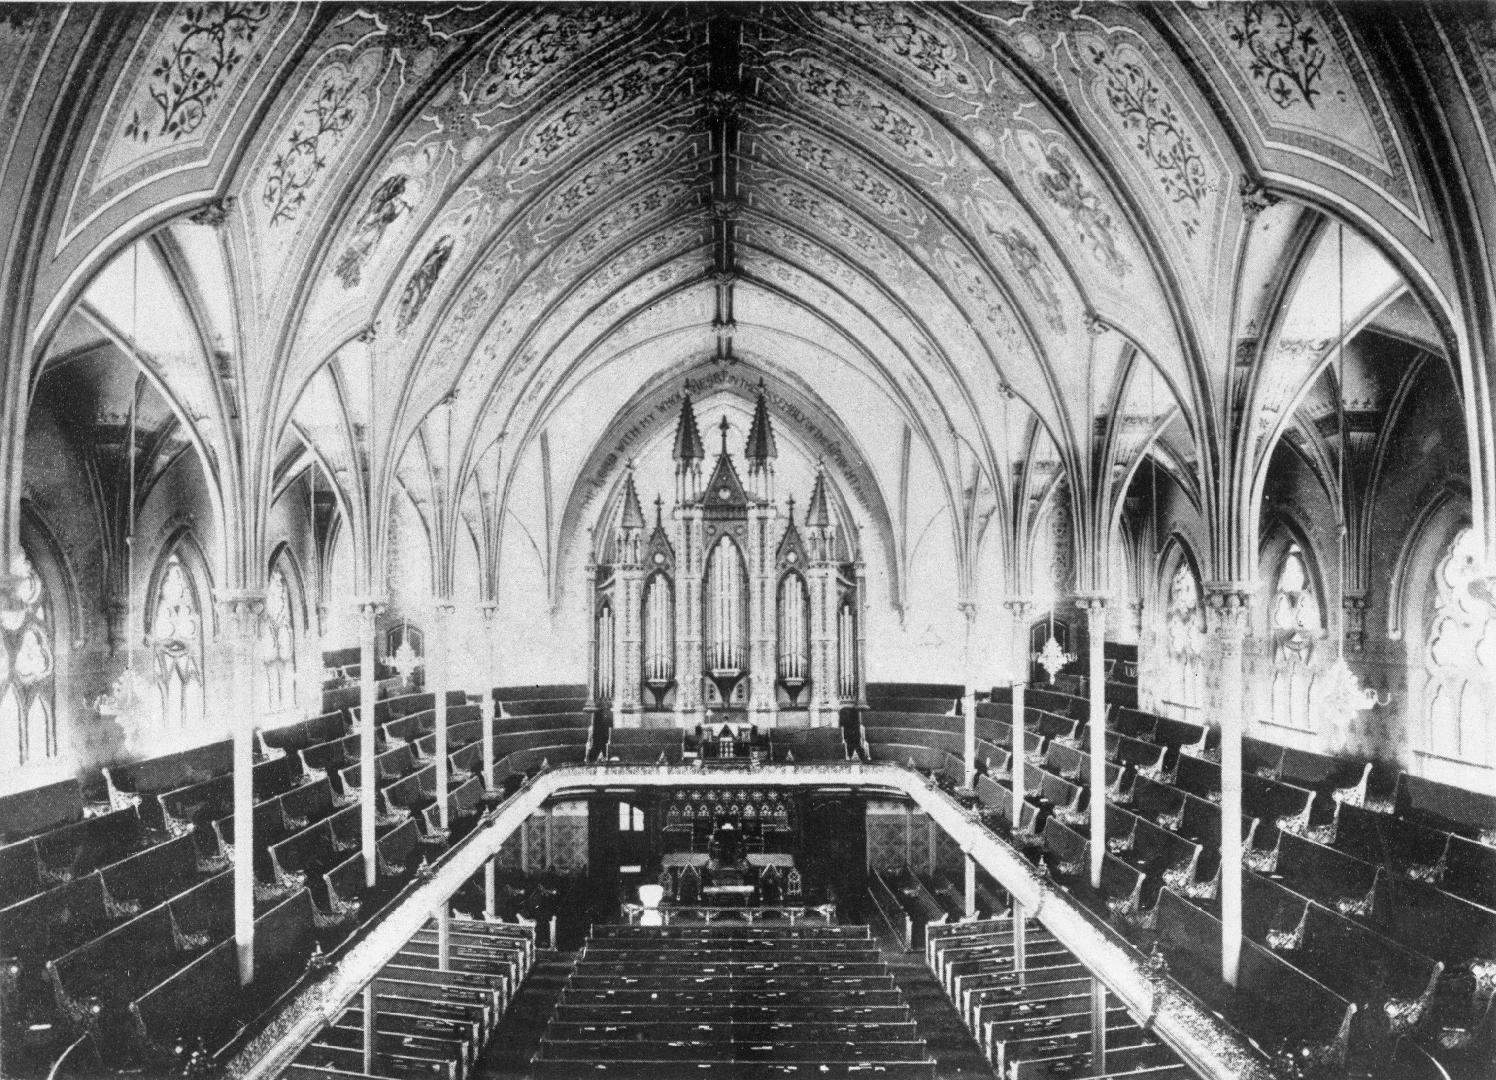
[1227,605]
[368,616]
[969,699]
[438,679]
[490,679]
[491,888]
[971,885]
[444,936]
[1098,1026]
[862,610]
[1018,643]
[1020,941]
[1094,605]
[369,1026]
[240,614]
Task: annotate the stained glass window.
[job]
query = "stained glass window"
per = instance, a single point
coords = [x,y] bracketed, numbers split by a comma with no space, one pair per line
[1295,627]
[280,644]
[28,718]
[176,636]
[1185,628]
[1461,693]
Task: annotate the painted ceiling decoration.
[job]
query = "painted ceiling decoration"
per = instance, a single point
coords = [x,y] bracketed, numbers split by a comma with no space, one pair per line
[476,215]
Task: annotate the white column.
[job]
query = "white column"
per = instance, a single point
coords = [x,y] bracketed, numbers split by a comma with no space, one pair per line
[1020,941]
[1018,642]
[971,885]
[1098,1026]
[969,699]
[369,1027]
[368,615]
[444,936]
[491,887]
[1227,605]
[241,613]
[438,678]
[1094,605]
[486,707]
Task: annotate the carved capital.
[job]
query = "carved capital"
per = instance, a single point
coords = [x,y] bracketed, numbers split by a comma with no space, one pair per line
[367,335]
[1094,605]
[1227,605]
[726,209]
[968,608]
[1255,197]
[1020,608]
[489,609]
[1096,325]
[214,214]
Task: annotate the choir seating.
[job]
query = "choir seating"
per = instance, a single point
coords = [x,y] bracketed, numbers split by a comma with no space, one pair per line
[807,744]
[733,1001]
[646,746]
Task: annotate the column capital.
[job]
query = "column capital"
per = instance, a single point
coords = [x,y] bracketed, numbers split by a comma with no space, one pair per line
[967,608]
[1091,601]
[369,605]
[443,608]
[1020,606]
[239,603]
[1227,604]
[489,609]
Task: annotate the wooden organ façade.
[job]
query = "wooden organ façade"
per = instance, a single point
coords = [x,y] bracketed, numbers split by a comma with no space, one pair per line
[728,604]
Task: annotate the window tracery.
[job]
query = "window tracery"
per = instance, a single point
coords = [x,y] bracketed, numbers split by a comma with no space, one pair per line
[1461,693]
[280,650]
[28,718]
[1295,618]
[176,639]
[1184,627]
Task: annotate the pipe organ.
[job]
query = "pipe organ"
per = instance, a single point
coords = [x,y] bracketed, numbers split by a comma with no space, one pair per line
[727,603]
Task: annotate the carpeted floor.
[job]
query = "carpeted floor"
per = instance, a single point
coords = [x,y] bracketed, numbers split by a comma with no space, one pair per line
[940,1025]
[507,1056]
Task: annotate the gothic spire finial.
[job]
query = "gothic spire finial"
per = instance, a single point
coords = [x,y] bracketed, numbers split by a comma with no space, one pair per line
[761,447]
[688,447]
[725,427]
[633,514]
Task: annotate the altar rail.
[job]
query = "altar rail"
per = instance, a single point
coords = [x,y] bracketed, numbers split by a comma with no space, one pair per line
[1211,1048]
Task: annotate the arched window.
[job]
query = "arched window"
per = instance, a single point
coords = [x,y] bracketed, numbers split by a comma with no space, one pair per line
[1185,629]
[1295,621]
[28,717]
[280,645]
[177,646]
[1461,694]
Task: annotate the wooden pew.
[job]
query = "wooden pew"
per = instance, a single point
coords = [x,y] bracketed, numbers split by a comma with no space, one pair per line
[39,809]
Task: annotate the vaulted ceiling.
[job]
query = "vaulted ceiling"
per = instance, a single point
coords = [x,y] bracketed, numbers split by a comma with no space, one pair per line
[434,230]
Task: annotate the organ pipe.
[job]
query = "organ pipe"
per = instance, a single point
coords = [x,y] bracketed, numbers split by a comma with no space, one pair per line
[659,631]
[794,641]
[725,588]
[605,654]
[847,650]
